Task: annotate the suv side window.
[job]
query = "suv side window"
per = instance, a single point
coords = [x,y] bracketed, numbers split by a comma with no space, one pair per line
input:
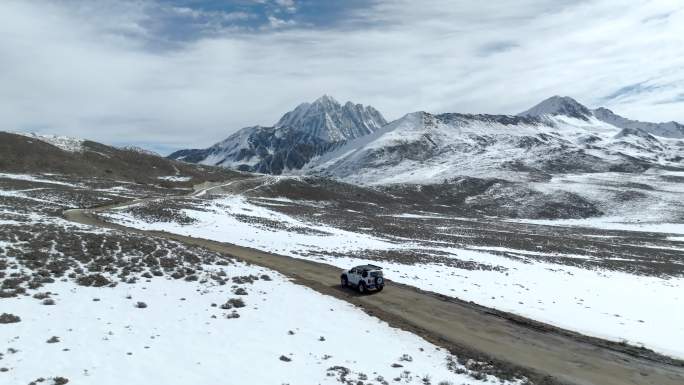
[364,274]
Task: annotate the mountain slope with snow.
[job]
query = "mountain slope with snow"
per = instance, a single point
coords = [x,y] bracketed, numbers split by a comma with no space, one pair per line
[308,130]
[508,166]
[559,105]
[424,148]
[567,106]
[667,129]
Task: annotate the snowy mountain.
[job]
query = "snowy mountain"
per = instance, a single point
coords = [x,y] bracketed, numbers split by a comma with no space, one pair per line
[668,129]
[559,105]
[308,130]
[558,136]
[328,120]
[566,106]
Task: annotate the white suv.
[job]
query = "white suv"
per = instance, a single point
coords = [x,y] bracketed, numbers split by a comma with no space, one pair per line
[364,278]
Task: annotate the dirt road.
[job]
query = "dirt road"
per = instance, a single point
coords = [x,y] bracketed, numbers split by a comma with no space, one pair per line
[546,354]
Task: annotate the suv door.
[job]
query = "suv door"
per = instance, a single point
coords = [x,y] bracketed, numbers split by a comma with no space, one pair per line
[353,277]
[364,276]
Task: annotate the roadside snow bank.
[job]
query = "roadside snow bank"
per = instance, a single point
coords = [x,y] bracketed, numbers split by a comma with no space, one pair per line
[286,333]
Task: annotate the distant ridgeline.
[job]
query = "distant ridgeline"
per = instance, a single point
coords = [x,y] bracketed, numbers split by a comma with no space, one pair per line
[354,143]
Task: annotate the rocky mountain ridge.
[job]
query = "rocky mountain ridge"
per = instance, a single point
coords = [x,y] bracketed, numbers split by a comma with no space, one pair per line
[567,106]
[666,129]
[308,136]
[558,136]
[309,130]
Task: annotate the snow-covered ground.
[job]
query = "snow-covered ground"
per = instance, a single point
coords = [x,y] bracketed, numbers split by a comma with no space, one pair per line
[35,178]
[641,310]
[637,202]
[175,178]
[612,223]
[284,334]
[218,221]
[180,338]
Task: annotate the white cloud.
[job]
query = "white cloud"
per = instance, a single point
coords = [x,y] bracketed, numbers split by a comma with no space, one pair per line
[275,22]
[198,14]
[94,72]
[289,5]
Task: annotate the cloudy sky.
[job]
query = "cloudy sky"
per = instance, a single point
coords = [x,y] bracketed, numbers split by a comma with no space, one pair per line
[169,74]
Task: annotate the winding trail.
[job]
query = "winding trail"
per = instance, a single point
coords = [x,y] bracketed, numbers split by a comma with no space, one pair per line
[546,354]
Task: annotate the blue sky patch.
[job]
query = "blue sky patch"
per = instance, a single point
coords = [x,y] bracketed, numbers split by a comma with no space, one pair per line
[178,21]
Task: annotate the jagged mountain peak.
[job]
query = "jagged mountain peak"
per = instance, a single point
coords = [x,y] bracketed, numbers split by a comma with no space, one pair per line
[325,102]
[559,105]
[306,131]
[330,121]
[322,103]
[326,99]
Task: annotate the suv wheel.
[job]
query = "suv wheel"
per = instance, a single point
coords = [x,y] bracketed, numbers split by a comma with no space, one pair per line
[362,287]
[343,281]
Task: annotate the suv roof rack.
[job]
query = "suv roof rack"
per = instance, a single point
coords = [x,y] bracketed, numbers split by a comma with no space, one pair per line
[369,267]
